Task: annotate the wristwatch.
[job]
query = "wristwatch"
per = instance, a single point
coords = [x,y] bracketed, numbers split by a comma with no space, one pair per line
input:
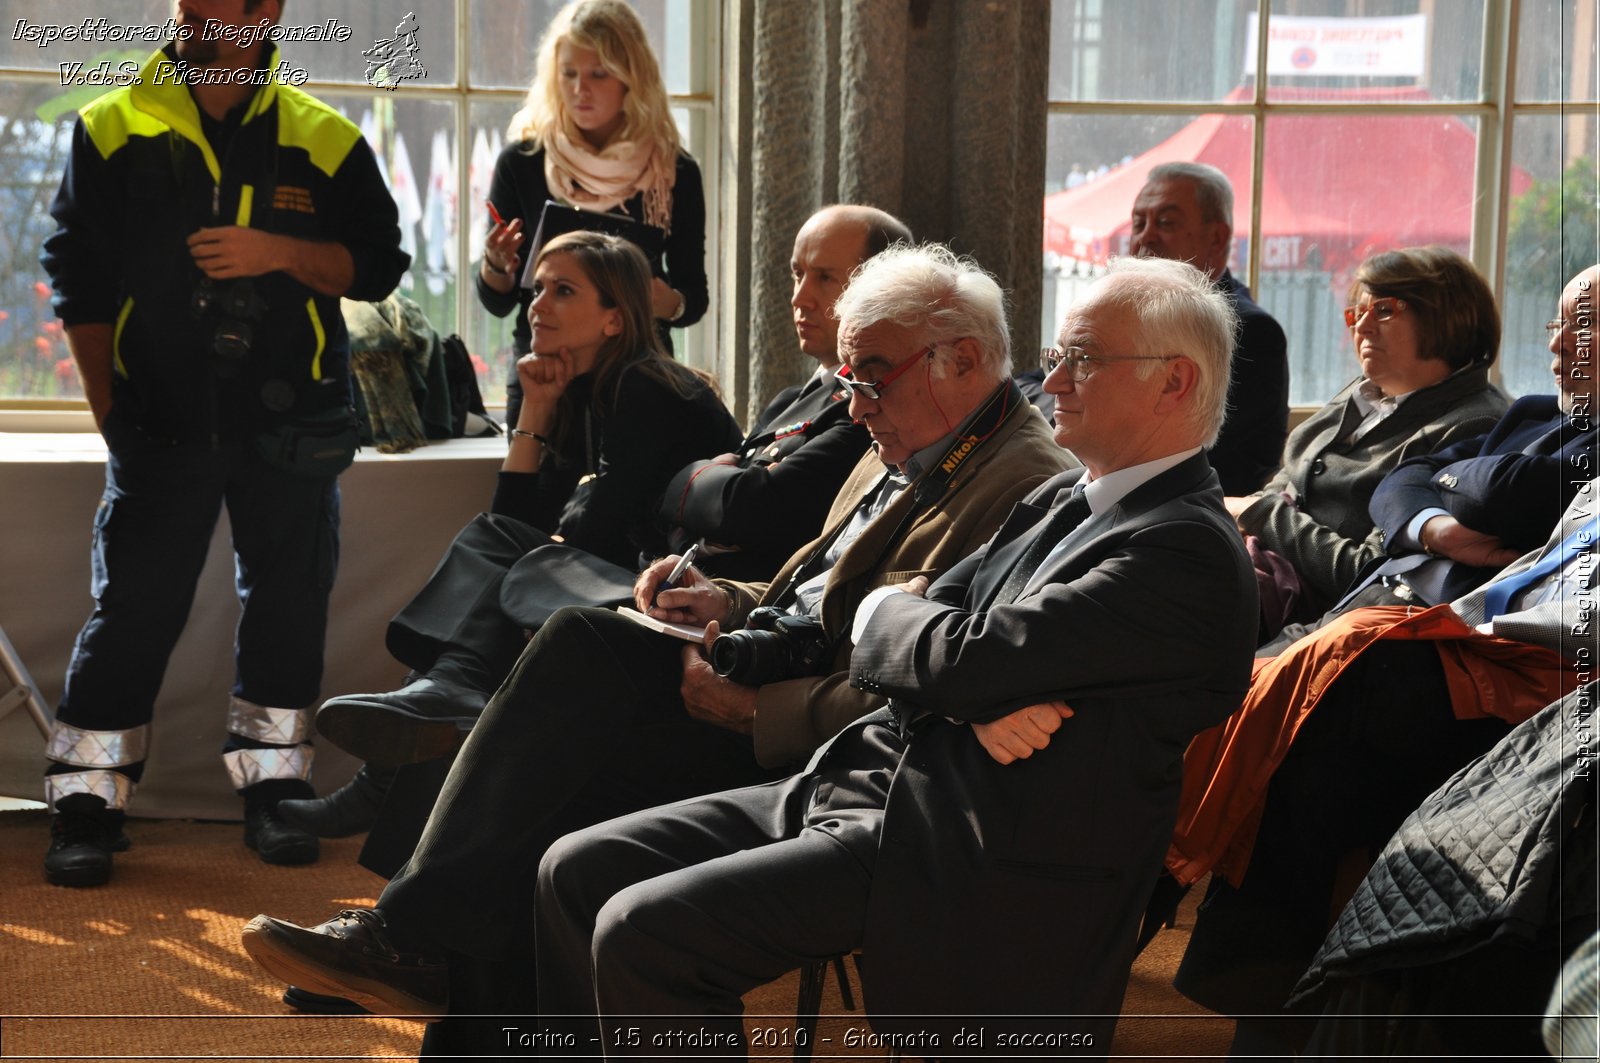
[683,304]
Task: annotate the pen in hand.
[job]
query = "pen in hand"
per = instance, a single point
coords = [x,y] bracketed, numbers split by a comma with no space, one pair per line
[678,570]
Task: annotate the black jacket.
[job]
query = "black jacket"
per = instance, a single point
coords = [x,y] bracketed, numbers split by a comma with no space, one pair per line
[519,190]
[1250,447]
[1513,482]
[600,487]
[1485,857]
[1144,624]
[141,178]
[774,498]
[1450,947]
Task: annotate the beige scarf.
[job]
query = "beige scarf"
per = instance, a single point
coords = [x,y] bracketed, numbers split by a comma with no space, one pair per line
[605,181]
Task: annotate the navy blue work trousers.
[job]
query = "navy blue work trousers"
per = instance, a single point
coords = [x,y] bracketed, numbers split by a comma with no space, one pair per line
[151,533]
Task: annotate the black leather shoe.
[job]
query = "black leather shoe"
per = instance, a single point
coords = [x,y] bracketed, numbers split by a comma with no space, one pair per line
[81,844]
[351,809]
[420,722]
[276,841]
[351,956]
[318,1004]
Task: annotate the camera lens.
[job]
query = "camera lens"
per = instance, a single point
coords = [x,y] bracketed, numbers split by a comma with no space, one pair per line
[751,657]
[793,646]
[230,344]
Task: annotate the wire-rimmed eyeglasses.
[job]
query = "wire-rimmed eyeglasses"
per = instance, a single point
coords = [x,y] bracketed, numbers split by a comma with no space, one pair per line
[1081,365]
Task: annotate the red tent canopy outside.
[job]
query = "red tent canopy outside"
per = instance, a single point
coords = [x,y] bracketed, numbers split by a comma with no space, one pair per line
[1336,188]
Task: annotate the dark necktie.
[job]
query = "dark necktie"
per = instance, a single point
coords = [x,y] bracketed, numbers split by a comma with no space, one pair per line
[1060,524]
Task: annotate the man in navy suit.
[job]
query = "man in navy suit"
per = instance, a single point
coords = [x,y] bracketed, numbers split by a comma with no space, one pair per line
[989,837]
[1450,520]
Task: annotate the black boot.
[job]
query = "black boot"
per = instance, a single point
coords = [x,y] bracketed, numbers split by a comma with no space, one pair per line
[274,840]
[83,835]
[351,809]
[423,720]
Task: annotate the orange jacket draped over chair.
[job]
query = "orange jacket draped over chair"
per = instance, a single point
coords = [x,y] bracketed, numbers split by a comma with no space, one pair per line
[1227,768]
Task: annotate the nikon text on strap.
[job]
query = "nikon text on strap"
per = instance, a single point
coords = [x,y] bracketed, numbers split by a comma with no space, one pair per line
[930,488]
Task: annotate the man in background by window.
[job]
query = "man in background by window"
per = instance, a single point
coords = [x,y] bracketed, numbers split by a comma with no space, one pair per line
[1185,212]
[208,222]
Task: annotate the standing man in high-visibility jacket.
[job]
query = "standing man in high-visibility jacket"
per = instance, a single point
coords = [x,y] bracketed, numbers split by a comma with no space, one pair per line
[209,219]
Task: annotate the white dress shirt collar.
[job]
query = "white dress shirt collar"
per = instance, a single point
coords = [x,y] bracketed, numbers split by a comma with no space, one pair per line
[1113,487]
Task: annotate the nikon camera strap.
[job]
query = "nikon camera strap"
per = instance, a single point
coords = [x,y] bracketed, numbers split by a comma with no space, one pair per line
[969,439]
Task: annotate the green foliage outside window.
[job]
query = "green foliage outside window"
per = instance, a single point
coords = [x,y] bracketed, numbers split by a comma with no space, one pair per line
[1551,231]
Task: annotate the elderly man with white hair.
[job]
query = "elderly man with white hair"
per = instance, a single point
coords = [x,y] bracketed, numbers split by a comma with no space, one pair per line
[989,837]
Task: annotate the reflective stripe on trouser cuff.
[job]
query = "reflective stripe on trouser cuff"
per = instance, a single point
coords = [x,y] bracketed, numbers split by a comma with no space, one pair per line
[97,749]
[246,767]
[113,787]
[281,727]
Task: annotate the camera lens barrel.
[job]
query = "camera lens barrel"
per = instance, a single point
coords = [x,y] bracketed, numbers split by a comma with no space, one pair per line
[792,647]
[751,657]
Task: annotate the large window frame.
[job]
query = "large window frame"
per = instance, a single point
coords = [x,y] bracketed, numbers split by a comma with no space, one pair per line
[1495,111]
[702,137]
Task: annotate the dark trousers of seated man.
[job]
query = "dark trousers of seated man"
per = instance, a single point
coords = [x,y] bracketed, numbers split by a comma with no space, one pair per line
[1383,737]
[589,725]
[662,920]
[456,624]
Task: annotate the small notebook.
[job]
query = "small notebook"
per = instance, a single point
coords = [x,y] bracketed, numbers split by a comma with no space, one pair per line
[557,218]
[687,632]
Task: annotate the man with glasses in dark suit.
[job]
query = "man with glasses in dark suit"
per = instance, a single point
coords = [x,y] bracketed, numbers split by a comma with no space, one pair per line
[985,838]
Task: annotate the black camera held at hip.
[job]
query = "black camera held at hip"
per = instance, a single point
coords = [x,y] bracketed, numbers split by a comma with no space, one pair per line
[236,307]
[773,645]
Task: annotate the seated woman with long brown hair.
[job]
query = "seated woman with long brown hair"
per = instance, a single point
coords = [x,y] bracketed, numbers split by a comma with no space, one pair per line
[607,418]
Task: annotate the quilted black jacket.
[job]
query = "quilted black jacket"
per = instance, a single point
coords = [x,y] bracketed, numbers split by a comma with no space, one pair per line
[1492,854]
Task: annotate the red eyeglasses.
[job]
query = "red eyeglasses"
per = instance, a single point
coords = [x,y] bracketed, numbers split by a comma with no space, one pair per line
[1382,310]
[873,390]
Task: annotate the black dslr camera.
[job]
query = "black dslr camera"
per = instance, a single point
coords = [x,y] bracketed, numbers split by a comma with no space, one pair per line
[236,308]
[773,645]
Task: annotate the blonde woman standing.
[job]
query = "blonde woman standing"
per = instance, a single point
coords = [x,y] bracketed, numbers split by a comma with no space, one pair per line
[596,132]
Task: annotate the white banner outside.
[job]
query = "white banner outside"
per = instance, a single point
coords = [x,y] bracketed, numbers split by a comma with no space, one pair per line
[1341,47]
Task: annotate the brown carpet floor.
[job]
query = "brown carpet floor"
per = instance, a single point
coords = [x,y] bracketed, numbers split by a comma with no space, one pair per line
[150,967]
